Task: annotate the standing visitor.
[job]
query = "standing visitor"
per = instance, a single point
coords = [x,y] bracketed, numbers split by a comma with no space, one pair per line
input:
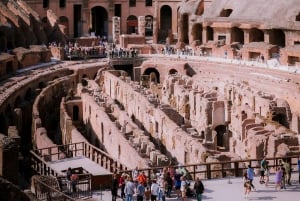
[114,187]
[247,185]
[122,181]
[263,164]
[183,187]
[278,178]
[267,174]
[140,191]
[129,189]
[154,190]
[299,169]
[250,175]
[199,188]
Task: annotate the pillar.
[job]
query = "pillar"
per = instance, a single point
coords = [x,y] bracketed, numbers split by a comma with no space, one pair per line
[141,25]
[116,29]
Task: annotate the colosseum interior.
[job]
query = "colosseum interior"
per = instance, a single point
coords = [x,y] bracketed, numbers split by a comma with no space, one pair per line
[144,84]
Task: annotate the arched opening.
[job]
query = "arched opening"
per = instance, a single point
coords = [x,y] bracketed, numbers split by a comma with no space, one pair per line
[2,41]
[281,119]
[165,22]
[256,35]
[75,113]
[185,28]
[200,9]
[63,23]
[9,67]
[221,131]
[209,33]
[197,33]
[18,102]
[237,35]
[99,21]
[172,71]
[298,17]
[3,126]
[41,85]
[153,73]
[225,12]
[277,37]
[149,25]
[28,95]
[132,24]
[8,116]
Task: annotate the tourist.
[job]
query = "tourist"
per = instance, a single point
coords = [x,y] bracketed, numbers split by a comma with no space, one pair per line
[68,176]
[140,191]
[114,187]
[177,183]
[278,178]
[169,185]
[141,178]
[299,170]
[199,189]
[161,192]
[288,172]
[283,181]
[129,189]
[148,194]
[122,181]
[262,170]
[247,185]
[267,174]
[183,187]
[154,190]
[74,181]
[250,175]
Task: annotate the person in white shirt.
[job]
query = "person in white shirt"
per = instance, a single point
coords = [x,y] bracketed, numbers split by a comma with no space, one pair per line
[183,187]
[154,190]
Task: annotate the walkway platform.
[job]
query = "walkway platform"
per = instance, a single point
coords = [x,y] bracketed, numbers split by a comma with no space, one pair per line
[230,190]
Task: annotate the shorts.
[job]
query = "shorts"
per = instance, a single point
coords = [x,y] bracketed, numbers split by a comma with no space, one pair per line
[262,173]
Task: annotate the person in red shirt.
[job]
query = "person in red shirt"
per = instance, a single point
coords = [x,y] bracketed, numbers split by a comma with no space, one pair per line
[142,179]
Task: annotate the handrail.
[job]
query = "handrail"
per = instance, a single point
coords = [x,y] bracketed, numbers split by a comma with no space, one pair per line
[224,169]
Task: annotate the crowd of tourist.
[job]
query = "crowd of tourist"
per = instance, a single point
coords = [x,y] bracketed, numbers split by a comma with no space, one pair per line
[156,186]
[282,177]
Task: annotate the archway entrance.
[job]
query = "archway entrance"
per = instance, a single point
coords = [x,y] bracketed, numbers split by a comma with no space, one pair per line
[165,22]
[153,74]
[221,131]
[256,35]
[149,25]
[99,21]
[132,24]
[197,33]
[277,37]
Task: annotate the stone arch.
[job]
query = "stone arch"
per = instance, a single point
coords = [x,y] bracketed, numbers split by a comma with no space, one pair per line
[149,25]
[221,131]
[209,33]
[3,126]
[237,35]
[277,37]
[63,23]
[9,67]
[281,118]
[152,72]
[132,24]
[173,71]
[99,21]
[42,85]
[197,33]
[28,95]
[165,21]
[17,102]
[256,35]
[2,41]
[75,113]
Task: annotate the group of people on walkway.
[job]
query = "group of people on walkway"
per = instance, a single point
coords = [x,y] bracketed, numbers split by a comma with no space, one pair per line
[156,186]
[282,175]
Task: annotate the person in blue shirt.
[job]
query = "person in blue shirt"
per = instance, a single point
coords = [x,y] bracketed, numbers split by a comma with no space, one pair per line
[299,169]
[250,175]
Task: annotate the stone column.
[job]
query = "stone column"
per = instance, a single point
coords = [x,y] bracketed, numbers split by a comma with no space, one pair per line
[204,35]
[155,24]
[116,29]
[141,25]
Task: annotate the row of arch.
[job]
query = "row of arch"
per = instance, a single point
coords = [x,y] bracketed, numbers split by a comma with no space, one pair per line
[276,36]
[99,22]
